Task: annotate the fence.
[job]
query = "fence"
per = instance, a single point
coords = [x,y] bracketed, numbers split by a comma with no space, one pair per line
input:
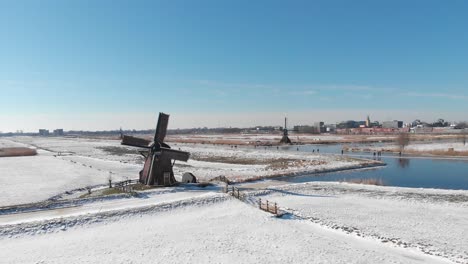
[268,206]
[264,205]
[235,192]
[125,186]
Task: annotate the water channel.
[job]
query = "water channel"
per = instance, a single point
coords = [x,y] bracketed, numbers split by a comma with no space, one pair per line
[405,171]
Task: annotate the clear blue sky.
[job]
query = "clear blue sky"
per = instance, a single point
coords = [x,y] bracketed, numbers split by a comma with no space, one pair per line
[390,59]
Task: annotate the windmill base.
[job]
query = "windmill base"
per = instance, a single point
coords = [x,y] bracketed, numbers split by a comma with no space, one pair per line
[285,140]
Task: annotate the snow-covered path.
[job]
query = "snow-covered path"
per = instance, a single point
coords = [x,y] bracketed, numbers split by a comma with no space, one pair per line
[145,199]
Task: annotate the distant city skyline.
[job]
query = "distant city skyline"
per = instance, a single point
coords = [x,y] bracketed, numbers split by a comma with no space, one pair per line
[142,121]
[102,65]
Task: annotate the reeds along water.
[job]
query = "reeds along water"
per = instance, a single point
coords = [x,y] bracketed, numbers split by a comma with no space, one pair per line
[16,152]
[369,181]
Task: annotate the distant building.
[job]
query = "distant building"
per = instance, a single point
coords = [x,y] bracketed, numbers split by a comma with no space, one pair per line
[307,129]
[368,122]
[375,124]
[330,128]
[58,132]
[43,132]
[347,124]
[320,127]
[351,124]
[392,124]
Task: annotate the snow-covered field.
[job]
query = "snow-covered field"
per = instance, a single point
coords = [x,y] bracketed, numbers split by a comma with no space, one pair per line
[325,223]
[433,221]
[36,178]
[65,164]
[210,229]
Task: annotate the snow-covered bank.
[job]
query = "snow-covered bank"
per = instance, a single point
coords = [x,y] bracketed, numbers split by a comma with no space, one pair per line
[446,149]
[219,232]
[240,164]
[457,146]
[430,220]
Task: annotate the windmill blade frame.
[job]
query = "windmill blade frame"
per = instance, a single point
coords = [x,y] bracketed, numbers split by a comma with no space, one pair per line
[159,157]
[136,142]
[161,128]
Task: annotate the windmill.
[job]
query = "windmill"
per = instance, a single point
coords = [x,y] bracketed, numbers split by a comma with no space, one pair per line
[159,157]
[285,139]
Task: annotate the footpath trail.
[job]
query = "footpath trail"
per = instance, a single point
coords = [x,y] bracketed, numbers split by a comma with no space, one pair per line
[99,207]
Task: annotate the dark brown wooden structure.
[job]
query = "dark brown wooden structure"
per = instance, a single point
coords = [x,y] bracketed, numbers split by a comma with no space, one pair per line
[159,157]
[285,139]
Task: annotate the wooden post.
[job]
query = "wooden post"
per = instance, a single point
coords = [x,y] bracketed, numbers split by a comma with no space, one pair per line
[276,209]
[267,208]
[238,194]
[260,203]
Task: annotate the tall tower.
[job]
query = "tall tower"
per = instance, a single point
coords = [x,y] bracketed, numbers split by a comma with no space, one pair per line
[368,123]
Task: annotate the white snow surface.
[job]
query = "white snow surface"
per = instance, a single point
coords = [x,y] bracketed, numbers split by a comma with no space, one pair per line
[84,208]
[457,146]
[330,222]
[36,178]
[65,164]
[433,146]
[435,221]
[226,231]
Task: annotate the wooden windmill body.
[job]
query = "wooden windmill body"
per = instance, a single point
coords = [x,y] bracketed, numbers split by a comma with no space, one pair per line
[159,157]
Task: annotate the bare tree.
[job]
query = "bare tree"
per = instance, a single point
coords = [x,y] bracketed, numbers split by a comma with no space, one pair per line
[464,136]
[403,140]
[109,179]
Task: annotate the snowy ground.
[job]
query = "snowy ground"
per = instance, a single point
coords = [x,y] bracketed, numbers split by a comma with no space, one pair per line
[251,138]
[65,164]
[438,148]
[433,221]
[36,178]
[328,222]
[208,229]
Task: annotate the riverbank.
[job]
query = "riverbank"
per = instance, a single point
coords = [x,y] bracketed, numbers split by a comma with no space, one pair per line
[251,164]
[453,150]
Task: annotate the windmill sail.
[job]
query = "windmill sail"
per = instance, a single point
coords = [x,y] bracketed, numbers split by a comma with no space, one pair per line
[161,128]
[135,142]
